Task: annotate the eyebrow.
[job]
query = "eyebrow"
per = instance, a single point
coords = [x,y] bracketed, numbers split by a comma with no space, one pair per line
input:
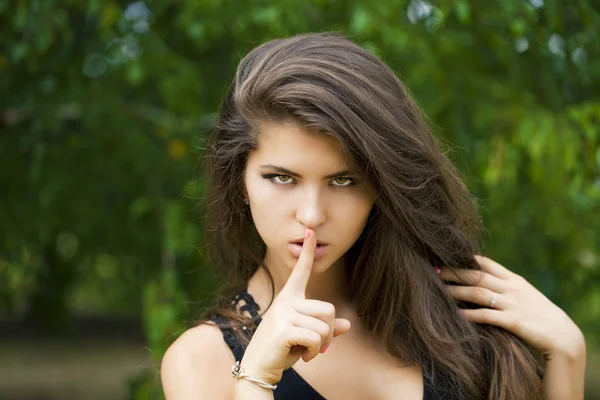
[292,173]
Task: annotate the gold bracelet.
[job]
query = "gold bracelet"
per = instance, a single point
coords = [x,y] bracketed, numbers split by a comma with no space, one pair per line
[238,372]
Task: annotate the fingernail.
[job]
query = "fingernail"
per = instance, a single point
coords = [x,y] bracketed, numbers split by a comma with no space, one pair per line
[437,270]
[324,349]
[306,233]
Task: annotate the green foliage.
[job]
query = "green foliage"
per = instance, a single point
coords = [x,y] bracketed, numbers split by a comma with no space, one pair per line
[103,103]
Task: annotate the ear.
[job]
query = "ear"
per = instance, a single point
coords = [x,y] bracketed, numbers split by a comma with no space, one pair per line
[245,194]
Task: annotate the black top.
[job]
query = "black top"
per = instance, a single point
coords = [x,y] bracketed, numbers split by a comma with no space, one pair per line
[291,386]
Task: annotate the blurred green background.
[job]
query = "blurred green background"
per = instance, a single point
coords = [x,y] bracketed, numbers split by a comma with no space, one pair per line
[103,109]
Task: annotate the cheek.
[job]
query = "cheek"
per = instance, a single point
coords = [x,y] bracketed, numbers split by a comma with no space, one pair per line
[350,216]
[268,208]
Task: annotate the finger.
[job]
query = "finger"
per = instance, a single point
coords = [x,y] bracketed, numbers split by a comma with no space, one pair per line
[342,326]
[318,309]
[296,283]
[473,277]
[315,308]
[304,340]
[490,317]
[325,312]
[492,267]
[314,324]
[476,295]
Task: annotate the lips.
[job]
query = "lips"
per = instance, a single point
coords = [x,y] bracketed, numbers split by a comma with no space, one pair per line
[301,242]
[295,248]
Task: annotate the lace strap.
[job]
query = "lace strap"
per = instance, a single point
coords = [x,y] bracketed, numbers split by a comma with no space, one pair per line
[243,302]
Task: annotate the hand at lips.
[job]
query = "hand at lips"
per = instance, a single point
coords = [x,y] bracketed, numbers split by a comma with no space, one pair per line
[293,327]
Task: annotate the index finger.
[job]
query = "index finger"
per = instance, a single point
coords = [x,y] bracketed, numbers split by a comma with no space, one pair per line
[492,267]
[296,283]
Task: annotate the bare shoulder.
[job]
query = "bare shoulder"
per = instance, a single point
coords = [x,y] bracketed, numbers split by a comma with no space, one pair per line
[198,365]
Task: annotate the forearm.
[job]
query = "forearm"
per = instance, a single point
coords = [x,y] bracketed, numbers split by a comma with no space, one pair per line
[246,390]
[564,375]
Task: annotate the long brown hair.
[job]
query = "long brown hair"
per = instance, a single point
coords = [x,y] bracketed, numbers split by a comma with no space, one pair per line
[423,215]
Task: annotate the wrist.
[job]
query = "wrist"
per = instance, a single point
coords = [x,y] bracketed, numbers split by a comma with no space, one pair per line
[244,389]
[245,385]
[571,350]
[256,372]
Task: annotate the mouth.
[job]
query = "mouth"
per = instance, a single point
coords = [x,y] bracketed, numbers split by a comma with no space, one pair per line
[295,248]
[301,243]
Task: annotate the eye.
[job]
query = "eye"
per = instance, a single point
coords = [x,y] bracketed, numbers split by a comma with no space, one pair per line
[282,179]
[279,179]
[343,181]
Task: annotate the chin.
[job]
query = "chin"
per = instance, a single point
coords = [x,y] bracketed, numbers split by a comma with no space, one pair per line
[319,266]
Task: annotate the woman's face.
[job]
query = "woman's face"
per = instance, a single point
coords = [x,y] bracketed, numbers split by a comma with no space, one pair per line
[296,180]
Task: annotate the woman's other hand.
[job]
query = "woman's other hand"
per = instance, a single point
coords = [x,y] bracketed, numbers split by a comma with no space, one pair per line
[517,307]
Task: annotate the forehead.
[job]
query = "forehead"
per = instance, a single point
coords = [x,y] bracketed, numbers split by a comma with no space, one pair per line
[289,144]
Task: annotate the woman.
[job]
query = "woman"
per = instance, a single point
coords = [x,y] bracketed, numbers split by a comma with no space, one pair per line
[355,242]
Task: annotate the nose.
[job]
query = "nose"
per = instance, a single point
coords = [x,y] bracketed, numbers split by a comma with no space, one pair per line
[311,212]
